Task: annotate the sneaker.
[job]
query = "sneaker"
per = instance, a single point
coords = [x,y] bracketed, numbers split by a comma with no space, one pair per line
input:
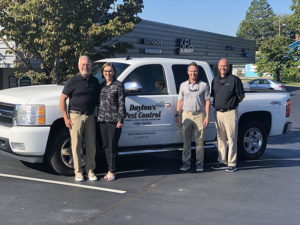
[199,168]
[231,169]
[79,177]
[92,176]
[220,166]
[185,167]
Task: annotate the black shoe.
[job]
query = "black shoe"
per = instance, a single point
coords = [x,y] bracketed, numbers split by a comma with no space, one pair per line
[185,167]
[231,169]
[220,166]
[199,168]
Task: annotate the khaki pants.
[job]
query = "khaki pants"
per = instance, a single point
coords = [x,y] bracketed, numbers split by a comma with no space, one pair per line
[227,128]
[192,124]
[83,125]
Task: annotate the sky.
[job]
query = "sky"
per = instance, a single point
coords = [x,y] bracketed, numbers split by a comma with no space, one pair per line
[217,16]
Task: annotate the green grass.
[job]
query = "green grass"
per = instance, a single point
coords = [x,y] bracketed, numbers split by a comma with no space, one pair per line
[294,84]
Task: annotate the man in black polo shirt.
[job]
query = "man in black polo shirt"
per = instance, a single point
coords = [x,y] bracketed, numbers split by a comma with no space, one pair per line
[228,92]
[83,92]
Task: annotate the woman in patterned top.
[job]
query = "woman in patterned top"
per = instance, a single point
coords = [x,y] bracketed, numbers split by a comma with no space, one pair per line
[111,115]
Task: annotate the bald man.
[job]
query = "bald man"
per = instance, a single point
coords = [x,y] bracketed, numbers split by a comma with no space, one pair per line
[227,92]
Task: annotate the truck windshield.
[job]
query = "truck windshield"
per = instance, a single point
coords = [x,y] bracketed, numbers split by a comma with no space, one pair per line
[96,69]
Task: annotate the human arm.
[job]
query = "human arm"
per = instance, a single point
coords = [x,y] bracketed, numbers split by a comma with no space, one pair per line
[63,107]
[207,111]
[241,97]
[178,112]
[240,90]
[207,105]
[121,110]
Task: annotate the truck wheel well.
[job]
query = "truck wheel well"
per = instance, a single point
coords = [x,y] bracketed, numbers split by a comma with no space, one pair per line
[57,125]
[263,117]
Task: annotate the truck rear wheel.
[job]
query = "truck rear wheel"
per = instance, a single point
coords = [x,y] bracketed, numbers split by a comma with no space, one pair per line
[252,140]
[59,154]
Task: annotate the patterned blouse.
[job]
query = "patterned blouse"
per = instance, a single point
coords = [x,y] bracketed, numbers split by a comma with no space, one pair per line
[112,103]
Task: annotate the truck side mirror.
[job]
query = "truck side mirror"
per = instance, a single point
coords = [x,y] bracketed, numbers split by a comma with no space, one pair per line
[132,87]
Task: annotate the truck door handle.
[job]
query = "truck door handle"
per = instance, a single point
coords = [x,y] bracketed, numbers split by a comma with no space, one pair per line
[163,105]
[167,105]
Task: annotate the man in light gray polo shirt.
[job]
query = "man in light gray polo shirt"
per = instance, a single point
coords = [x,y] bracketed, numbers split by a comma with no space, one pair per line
[194,100]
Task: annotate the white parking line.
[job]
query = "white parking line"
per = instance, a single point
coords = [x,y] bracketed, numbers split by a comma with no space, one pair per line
[63,183]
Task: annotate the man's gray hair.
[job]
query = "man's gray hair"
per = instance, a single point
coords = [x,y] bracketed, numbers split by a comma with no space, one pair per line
[84,56]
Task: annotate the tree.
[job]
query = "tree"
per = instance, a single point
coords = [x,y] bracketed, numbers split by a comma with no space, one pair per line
[294,19]
[50,35]
[259,22]
[275,57]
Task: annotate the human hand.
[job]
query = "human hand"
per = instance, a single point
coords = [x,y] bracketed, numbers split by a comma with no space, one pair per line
[205,122]
[178,120]
[68,122]
[119,125]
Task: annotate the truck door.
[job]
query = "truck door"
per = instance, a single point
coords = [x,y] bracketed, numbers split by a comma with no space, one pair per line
[180,75]
[148,114]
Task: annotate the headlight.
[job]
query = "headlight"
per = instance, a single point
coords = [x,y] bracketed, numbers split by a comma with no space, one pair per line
[30,114]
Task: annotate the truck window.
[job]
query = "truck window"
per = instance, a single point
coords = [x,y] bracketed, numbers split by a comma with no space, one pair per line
[96,70]
[151,77]
[180,74]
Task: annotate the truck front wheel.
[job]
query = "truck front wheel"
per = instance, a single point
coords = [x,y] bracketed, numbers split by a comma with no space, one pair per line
[59,154]
[252,140]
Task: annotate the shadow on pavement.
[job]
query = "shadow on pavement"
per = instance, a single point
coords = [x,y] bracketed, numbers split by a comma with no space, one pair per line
[293,136]
[158,163]
[273,158]
[166,163]
[292,88]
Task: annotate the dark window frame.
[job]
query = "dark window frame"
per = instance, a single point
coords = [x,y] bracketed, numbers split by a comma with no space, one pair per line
[182,75]
[147,80]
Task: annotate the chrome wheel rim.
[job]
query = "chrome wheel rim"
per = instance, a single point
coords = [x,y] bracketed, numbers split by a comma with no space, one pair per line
[253,140]
[66,153]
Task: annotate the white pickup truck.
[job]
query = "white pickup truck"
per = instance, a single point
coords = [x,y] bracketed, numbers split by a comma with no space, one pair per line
[32,128]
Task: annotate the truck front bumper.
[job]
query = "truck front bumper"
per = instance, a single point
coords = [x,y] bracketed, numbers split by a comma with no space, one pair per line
[24,143]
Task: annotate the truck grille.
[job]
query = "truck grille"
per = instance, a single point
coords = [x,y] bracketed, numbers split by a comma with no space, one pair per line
[7,114]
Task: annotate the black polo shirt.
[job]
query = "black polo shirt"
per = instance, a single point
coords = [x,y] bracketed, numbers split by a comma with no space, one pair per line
[83,93]
[226,91]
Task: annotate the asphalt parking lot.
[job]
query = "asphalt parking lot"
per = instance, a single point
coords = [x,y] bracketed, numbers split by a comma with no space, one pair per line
[151,190]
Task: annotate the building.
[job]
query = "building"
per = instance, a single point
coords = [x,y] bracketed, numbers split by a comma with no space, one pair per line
[154,39]
[7,78]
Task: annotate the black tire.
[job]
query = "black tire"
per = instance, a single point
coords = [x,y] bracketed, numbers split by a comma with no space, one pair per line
[252,140]
[59,153]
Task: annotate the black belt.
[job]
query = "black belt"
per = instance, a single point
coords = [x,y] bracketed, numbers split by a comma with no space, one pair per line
[78,112]
[226,110]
